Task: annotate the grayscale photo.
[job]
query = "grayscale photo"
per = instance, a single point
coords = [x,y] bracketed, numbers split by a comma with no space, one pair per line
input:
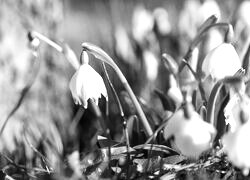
[124,89]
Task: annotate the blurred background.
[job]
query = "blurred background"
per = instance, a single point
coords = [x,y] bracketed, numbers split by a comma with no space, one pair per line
[134,33]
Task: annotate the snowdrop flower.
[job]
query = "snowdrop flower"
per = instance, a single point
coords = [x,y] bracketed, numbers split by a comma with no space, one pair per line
[237,146]
[192,135]
[222,61]
[86,83]
[142,23]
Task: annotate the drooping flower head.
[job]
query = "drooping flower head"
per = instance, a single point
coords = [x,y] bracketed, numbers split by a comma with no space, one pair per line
[86,83]
[236,143]
[192,135]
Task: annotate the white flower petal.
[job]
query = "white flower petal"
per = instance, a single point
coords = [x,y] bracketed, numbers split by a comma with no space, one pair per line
[237,146]
[87,83]
[221,62]
[192,136]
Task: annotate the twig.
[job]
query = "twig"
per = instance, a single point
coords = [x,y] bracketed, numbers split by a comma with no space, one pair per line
[24,91]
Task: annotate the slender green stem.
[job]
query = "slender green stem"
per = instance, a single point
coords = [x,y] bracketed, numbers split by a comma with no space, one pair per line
[103,56]
[117,100]
[214,95]
[47,40]
[163,124]
[211,102]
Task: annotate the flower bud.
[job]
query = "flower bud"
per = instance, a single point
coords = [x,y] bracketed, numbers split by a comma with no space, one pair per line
[174,91]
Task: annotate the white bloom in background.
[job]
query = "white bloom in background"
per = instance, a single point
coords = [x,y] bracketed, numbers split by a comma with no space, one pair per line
[162,20]
[188,21]
[222,61]
[142,23]
[207,9]
[86,83]
[243,14]
[192,136]
[151,65]
[194,14]
[237,146]
[124,46]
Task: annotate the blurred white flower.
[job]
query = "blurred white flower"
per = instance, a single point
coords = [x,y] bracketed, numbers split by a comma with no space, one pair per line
[222,61]
[86,83]
[236,145]
[207,9]
[192,136]
[151,64]
[243,14]
[188,21]
[124,46]
[194,14]
[142,23]
[162,21]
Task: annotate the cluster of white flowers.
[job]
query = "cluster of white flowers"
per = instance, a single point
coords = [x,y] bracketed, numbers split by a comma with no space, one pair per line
[192,135]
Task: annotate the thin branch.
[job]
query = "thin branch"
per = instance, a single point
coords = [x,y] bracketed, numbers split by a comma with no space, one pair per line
[24,91]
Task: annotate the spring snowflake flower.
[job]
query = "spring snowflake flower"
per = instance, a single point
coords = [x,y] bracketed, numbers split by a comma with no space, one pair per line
[237,146]
[192,136]
[222,61]
[86,83]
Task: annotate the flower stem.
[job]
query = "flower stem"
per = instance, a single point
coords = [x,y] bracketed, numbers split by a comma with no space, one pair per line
[64,49]
[211,102]
[214,94]
[118,102]
[103,56]
[47,40]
